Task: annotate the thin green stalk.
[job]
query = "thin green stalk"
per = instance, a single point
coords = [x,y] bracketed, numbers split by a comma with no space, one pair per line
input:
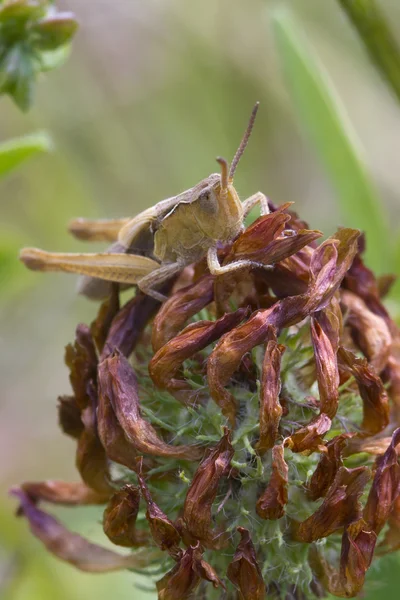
[381,45]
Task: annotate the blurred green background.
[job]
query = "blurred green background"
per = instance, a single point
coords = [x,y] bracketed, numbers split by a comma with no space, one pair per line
[151,93]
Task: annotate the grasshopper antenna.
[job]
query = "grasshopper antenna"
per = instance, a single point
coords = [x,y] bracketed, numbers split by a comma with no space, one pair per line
[243,143]
[224,173]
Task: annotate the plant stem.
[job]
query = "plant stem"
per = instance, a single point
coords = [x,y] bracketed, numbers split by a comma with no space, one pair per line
[377,37]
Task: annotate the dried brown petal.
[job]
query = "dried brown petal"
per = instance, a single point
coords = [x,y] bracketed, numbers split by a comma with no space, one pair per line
[110,432]
[358,545]
[370,331]
[346,252]
[362,282]
[183,579]
[329,263]
[73,548]
[81,360]
[328,466]
[244,571]
[203,490]
[260,233]
[204,569]
[284,281]
[226,356]
[117,382]
[385,487]
[371,445]
[331,321]
[164,532]
[91,459]
[270,407]
[356,555]
[309,438]
[391,541]
[119,518]
[271,504]
[128,325]
[62,492]
[385,284]
[100,327]
[327,369]
[179,308]
[69,416]
[264,241]
[166,363]
[340,507]
[372,392]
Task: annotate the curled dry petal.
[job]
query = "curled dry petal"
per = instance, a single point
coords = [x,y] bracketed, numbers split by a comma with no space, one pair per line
[270,407]
[100,327]
[62,492]
[174,313]
[357,550]
[370,332]
[309,438]
[362,282]
[271,504]
[327,369]
[164,532]
[110,432]
[385,487]
[244,571]
[391,541]
[118,383]
[166,363]
[226,356]
[282,247]
[204,569]
[183,579]
[119,518]
[259,234]
[128,325]
[358,545]
[69,416]
[372,392]
[371,445]
[71,547]
[81,359]
[329,263]
[328,466]
[91,458]
[331,321]
[264,241]
[203,490]
[340,507]
[284,281]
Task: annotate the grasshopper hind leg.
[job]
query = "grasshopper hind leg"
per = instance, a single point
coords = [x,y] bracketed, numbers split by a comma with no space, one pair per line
[101,230]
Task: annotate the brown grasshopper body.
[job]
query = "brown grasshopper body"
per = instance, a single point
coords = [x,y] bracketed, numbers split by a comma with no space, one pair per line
[159,242]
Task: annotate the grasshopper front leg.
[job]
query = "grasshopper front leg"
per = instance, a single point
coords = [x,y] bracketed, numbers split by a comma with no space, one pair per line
[252,201]
[216,269]
[120,268]
[157,278]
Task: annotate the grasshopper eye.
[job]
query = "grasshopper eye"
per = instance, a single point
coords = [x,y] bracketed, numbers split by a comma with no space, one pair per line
[208,201]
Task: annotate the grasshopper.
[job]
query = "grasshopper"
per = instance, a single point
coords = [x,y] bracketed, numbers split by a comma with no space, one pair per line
[159,242]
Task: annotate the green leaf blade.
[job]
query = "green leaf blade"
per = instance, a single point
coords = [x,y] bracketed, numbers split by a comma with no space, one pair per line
[16,151]
[325,120]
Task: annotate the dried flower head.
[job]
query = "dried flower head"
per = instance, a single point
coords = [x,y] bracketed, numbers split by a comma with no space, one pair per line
[243,436]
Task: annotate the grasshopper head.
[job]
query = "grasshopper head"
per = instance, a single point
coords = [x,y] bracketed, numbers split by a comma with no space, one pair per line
[228,172]
[221,191]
